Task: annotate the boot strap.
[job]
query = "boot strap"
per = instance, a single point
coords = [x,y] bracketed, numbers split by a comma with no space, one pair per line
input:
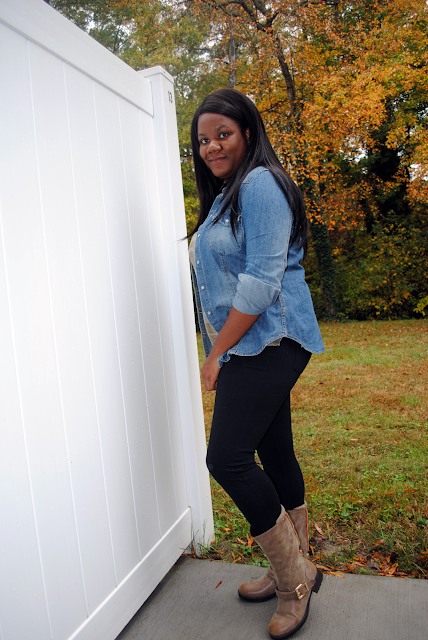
[298,593]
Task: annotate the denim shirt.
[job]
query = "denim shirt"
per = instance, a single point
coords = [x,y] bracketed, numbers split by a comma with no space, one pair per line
[256,271]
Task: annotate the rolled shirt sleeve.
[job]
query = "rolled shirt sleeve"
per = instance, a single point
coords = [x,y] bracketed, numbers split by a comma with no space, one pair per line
[267,222]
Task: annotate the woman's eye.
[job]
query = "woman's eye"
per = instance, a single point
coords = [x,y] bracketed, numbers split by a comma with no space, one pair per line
[223,134]
[203,141]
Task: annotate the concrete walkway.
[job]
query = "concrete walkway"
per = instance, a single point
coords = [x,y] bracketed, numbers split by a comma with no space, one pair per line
[188,606]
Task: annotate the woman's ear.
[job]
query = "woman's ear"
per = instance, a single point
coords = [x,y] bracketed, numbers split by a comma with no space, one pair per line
[247,134]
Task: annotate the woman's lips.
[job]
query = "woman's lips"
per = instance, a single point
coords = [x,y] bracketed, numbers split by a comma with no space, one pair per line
[213,160]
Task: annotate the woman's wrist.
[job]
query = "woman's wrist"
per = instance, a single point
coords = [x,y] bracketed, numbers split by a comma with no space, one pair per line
[215,353]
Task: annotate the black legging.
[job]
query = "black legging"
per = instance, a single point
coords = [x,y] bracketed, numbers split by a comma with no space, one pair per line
[252,413]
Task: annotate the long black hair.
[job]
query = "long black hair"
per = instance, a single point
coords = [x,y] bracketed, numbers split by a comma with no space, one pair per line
[235,105]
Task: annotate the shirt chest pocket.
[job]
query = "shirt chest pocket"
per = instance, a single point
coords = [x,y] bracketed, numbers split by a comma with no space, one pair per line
[222,238]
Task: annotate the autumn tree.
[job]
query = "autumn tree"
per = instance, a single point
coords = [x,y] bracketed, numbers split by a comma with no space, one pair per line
[367,64]
[342,89]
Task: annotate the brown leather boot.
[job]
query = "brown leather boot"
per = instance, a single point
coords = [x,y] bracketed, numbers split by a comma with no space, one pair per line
[264,588]
[295,577]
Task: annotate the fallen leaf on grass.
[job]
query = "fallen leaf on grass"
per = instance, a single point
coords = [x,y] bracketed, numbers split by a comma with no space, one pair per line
[240,541]
[376,544]
[219,583]
[318,528]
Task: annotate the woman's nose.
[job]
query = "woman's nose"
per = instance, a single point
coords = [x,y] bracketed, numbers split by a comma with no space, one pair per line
[213,145]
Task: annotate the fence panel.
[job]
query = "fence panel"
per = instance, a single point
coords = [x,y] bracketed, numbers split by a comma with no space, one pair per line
[102,481]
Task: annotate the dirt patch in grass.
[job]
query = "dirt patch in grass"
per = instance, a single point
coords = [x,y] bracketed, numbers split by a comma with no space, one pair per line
[360,422]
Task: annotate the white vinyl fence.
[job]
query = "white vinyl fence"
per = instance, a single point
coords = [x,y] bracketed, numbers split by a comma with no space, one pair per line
[102,447]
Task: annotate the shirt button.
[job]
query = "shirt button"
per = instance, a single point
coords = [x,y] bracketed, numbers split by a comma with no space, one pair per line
[202,287]
[209,313]
[226,220]
[199,235]
[197,261]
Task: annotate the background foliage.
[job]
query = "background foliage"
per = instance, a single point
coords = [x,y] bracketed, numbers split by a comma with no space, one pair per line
[342,88]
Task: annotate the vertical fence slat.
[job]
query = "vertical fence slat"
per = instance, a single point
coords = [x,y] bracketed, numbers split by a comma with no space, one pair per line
[156,342]
[21,579]
[135,376]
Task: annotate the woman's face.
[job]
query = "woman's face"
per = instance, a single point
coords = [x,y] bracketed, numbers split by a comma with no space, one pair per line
[221,144]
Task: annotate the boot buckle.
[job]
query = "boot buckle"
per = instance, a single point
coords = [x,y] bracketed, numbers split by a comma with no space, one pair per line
[298,592]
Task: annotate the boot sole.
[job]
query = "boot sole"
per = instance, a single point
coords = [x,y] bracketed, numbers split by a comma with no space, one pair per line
[316,588]
[264,599]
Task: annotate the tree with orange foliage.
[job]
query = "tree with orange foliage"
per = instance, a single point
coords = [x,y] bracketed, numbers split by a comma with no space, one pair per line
[343,92]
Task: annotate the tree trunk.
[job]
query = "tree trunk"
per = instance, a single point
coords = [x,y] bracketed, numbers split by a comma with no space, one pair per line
[289,82]
[232,61]
[327,271]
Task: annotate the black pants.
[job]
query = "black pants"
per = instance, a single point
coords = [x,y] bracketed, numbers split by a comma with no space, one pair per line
[252,413]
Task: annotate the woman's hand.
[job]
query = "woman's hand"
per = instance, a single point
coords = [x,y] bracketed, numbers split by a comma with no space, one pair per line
[209,373]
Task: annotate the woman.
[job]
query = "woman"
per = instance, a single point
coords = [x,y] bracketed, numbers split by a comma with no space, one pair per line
[259,330]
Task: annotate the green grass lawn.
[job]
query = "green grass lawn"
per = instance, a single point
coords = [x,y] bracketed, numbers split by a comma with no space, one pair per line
[360,422]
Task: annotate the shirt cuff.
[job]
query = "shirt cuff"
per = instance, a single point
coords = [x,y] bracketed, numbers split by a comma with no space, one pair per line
[253,296]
